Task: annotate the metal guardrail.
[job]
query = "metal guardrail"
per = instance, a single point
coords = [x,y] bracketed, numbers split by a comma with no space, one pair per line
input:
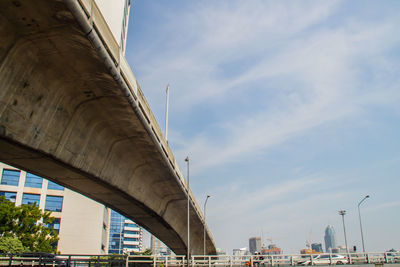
[196,261]
[262,260]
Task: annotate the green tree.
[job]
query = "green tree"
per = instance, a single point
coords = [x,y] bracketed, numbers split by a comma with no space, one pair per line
[10,244]
[29,224]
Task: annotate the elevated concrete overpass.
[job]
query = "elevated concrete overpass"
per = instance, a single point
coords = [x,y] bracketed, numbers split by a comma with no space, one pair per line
[71,111]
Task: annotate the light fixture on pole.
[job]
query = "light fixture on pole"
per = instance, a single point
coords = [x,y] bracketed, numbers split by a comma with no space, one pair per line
[359,216]
[204,226]
[188,218]
[343,212]
[166,114]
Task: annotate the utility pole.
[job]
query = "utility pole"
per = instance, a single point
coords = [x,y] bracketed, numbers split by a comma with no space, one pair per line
[188,218]
[342,213]
[204,226]
[359,216]
[166,114]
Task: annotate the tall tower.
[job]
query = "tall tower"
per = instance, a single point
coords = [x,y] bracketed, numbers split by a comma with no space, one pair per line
[330,238]
[255,244]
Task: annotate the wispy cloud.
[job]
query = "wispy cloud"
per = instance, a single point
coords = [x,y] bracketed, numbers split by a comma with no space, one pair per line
[250,77]
[321,72]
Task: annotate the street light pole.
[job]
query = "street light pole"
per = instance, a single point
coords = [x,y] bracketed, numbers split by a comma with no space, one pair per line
[204,226]
[343,212]
[359,216]
[166,114]
[188,218]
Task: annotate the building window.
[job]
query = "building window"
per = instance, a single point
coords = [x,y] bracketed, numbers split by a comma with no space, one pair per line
[11,196]
[30,199]
[54,203]
[55,224]
[10,177]
[131,232]
[54,186]
[130,239]
[32,180]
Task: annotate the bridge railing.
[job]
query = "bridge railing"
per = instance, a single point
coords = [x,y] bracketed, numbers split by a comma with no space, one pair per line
[266,260]
[194,261]
[102,29]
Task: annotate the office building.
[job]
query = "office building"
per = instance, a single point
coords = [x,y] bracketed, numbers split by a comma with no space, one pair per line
[240,252]
[125,236]
[330,238]
[272,249]
[254,244]
[82,224]
[317,247]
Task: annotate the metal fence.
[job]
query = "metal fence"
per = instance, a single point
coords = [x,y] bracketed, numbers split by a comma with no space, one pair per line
[199,261]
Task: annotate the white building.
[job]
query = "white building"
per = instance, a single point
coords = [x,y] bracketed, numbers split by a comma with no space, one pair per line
[81,222]
[116,14]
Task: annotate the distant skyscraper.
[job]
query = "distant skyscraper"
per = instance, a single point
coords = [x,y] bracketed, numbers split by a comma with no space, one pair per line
[330,239]
[317,247]
[255,244]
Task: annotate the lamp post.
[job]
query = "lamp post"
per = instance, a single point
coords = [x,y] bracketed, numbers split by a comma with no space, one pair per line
[359,216]
[188,204]
[166,114]
[204,226]
[343,212]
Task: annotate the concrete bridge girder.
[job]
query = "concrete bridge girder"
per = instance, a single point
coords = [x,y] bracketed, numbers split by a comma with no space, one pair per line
[64,117]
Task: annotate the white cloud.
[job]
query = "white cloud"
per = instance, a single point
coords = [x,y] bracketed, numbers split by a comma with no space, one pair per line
[309,68]
[325,66]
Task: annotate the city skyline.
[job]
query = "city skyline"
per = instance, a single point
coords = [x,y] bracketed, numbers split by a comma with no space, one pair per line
[288,112]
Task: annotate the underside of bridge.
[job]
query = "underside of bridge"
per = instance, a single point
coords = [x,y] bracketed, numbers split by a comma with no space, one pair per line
[63,116]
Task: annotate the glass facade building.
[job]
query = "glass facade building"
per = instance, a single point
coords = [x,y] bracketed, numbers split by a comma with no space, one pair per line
[255,244]
[125,235]
[330,238]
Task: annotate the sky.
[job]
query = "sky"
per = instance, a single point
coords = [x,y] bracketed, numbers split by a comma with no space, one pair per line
[288,110]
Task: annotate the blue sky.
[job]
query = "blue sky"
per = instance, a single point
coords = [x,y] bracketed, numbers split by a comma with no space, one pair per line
[288,110]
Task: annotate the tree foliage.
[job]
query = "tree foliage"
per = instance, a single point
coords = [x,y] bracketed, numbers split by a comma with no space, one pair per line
[10,244]
[29,224]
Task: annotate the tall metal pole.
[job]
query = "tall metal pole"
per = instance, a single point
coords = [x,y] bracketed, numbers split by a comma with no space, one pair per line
[166,115]
[359,216]
[343,212]
[188,218]
[204,226]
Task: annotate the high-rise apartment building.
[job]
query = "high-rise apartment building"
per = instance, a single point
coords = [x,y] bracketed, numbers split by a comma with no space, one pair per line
[254,244]
[330,238]
[82,224]
[125,235]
